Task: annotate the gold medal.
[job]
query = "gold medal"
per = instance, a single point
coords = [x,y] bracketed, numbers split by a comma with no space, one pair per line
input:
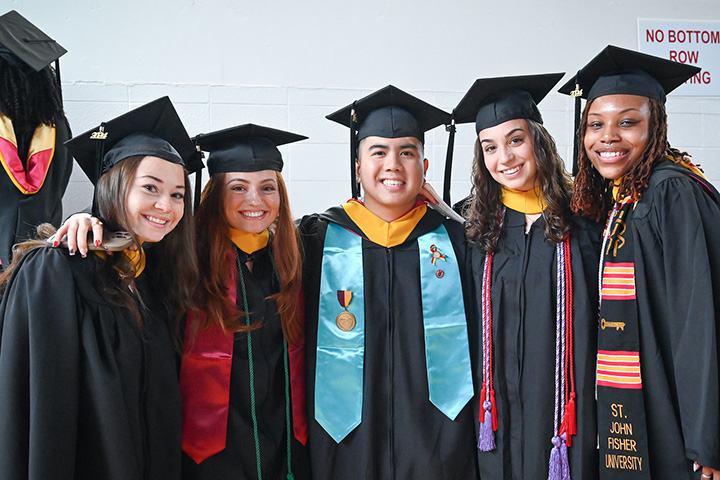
[345,321]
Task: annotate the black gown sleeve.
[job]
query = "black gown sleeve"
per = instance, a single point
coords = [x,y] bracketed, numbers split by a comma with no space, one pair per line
[39,365]
[681,257]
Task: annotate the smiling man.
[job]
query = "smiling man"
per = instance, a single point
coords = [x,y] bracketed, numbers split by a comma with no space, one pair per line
[389,375]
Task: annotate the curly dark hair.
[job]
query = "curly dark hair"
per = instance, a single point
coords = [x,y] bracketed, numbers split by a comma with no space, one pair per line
[32,97]
[486,207]
[592,193]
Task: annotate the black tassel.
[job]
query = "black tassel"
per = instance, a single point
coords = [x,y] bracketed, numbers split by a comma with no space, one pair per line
[354,185]
[57,78]
[577,93]
[99,138]
[449,158]
[198,180]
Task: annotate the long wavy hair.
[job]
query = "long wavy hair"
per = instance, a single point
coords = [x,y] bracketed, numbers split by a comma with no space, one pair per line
[212,246]
[32,97]
[171,264]
[485,206]
[592,193]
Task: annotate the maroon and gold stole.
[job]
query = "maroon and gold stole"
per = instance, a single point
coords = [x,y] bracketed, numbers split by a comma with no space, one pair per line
[42,147]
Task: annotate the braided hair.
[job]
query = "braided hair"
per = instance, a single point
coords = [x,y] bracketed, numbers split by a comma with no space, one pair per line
[31,97]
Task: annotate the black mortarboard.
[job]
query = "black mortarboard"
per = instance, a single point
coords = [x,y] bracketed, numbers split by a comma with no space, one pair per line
[618,71]
[154,129]
[245,148]
[23,41]
[387,113]
[492,101]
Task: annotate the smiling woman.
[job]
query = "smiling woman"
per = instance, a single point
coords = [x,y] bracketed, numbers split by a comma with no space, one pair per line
[251,200]
[533,269]
[243,416]
[658,339]
[617,133]
[90,343]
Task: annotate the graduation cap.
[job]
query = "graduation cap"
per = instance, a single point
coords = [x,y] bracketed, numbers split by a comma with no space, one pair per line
[618,71]
[153,129]
[245,148]
[387,113]
[492,101]
[24,45]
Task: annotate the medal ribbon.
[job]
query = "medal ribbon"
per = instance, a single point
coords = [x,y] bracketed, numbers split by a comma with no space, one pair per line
[344,297]
[447,350]
[340,355]
[622,426]
[40,154]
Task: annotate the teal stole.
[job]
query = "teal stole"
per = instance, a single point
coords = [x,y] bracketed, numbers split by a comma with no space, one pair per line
[341,351]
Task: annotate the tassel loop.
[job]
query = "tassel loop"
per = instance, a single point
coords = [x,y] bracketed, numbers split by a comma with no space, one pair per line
[486,442]
[493,409]
[569,424]
[559,465]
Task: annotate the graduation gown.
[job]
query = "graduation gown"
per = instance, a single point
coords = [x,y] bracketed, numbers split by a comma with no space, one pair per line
[524,302]
[21,213]
[675,229]
[84,393]
[402,435]
[237,460]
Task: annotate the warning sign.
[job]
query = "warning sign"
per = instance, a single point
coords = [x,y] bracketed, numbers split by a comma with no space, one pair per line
[686,41]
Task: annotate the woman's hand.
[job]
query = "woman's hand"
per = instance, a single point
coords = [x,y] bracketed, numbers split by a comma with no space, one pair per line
[708,473]
[77,228]
[428,193]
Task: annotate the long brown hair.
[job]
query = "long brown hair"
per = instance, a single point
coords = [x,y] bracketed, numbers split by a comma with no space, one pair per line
[592,193]
[170,264]
[212,244]
[486,207]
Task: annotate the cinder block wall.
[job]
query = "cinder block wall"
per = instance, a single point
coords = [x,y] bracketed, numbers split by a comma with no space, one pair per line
[287,64]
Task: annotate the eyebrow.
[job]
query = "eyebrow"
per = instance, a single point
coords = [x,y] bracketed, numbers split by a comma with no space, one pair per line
[511,132]
[239,179]
[158,180]
[405,145]
[619,113]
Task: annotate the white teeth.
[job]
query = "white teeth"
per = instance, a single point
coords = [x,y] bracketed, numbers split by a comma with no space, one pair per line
[392,183]
[159,221]
[610,154]
[510,171]
[253,214]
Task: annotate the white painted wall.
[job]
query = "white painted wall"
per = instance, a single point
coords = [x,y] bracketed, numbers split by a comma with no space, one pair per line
[287,64]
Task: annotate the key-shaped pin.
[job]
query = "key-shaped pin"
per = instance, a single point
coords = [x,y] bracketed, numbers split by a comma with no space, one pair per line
[615,325]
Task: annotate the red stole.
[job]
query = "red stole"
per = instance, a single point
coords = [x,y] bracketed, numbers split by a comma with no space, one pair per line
[205,383]
[40,154]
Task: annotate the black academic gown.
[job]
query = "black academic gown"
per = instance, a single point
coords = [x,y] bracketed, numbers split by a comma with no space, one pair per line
[676,230]
[84,394]
[402,435]
[524,303]
[20,214]
[238,461]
